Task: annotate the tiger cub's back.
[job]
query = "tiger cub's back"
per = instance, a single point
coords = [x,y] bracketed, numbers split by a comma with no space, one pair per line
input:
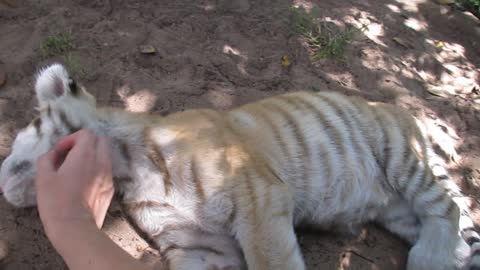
[331,148]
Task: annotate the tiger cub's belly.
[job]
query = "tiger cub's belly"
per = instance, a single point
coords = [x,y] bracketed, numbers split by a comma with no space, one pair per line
[348,200]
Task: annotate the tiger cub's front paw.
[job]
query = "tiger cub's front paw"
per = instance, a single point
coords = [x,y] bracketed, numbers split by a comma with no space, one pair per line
[200,259]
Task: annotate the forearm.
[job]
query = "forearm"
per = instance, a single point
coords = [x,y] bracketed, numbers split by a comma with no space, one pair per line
[84,246]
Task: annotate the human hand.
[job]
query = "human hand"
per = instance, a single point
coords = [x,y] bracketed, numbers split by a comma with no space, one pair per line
[74,182]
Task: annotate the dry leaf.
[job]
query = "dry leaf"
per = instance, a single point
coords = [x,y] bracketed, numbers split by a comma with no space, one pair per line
[446,2]
[401,42]
[285,61]
[439,44]
[147,49]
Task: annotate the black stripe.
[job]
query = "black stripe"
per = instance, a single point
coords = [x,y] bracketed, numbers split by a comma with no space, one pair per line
[443,177]
[345,120]
[233,214]
[292,123]
[125,152]
[253,196]
[406,156]
[156,157]
[307,158]
[276,132]
[472,240]
[422,182]
[142,205]
[346,115]
[386,143]
[439,198]
[196,181]
[332,134]
[450,208]
[191,248]
[412,171]
[37,123]
[300,140]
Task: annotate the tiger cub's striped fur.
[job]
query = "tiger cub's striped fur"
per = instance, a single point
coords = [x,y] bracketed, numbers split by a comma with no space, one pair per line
[217,189]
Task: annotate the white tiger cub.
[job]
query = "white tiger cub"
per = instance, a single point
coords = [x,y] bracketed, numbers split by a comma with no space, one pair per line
[216,190]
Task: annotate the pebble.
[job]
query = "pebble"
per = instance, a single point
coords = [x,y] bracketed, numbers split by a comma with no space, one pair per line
[147,49]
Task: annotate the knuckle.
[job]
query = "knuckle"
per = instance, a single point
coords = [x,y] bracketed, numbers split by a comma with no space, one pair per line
[86,133]
[42,158]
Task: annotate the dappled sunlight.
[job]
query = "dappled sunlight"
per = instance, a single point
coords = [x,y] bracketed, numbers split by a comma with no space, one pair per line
[345,79]
[141,101]
[307,5]
[443,135]
[372,59]
[209,6]
[416,24]
[227,49]
[411,5]
[394,8]
[221,98]
[445,69]
[370,25]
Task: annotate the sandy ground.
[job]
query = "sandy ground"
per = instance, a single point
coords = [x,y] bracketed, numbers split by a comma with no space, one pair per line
[222,53]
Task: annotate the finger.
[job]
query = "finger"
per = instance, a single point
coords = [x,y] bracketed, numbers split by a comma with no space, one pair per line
[45,167]
[80,147]
[69,141]
[103,203]
[46,162]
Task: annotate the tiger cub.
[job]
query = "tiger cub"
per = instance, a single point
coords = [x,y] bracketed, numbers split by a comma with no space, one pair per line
[224,190]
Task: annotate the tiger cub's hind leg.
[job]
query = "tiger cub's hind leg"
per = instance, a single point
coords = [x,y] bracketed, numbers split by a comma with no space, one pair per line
[439,245]
[263,225]
[399,219]
[185,249]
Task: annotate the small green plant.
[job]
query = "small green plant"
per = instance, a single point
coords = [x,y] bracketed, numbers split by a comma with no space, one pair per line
[74,65]
[57,44]
[302,20]
[324,38]
[328,44]
[471,5]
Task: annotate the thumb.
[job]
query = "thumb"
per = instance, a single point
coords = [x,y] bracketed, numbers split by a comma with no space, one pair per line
[45,166]
[46,162]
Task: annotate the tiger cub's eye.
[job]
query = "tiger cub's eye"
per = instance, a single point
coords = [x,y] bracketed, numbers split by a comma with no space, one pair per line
[73,86]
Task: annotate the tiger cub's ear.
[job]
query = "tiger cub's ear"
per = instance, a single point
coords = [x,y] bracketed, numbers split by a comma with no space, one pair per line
[52,83]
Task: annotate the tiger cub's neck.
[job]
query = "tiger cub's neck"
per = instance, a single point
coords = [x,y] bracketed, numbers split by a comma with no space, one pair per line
[126,131]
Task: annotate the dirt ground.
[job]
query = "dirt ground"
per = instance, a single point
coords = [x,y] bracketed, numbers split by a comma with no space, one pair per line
[222,53]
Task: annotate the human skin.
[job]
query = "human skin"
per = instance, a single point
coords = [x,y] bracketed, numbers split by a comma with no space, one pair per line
[78,173]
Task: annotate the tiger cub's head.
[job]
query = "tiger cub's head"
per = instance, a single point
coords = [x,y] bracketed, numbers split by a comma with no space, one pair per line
[64,107]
